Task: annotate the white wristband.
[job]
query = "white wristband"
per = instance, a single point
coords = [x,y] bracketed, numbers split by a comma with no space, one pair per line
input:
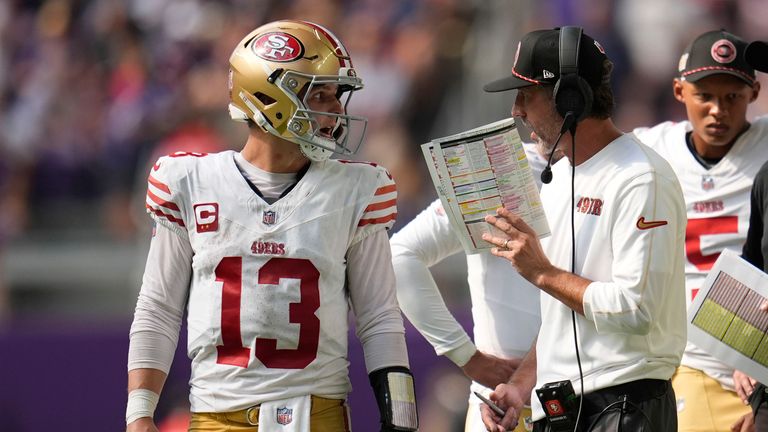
[141,403]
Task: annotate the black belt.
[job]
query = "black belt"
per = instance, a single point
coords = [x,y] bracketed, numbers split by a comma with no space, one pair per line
[758,397]
[636,391]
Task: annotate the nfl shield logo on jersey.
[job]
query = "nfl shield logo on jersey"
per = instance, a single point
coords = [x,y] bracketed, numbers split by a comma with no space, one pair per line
[707,183]
[284,415]
[269,217]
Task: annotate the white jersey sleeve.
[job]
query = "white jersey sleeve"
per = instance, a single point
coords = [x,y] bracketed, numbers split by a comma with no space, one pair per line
[371,280]
[425,241]
[429,239]
[165,285]
[381,211]
[629,302]
[163,200]
[379,325]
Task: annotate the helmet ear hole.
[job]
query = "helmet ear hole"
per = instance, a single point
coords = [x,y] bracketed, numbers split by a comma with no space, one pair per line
[264,98]
[266,101]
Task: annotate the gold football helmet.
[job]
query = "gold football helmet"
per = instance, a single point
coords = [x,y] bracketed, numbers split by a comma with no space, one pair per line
[274,70]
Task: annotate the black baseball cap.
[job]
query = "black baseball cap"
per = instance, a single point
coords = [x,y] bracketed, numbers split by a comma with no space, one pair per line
[537,61]
[719,52]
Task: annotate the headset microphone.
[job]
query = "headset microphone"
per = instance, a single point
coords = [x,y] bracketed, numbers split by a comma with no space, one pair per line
[569,123]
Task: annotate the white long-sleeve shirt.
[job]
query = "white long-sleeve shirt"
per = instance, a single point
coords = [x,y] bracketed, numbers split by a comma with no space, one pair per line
[630,230]
[505,306]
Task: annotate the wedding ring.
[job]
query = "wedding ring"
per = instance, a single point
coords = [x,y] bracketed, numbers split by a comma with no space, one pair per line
[505,243]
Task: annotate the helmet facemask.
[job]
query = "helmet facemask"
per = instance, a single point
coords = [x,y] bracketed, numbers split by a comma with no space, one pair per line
[340,132]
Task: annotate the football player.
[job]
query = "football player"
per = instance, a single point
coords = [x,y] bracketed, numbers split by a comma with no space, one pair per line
[505,321]
[715,154]
[267,249]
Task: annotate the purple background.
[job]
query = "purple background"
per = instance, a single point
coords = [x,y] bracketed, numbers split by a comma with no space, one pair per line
[72,377]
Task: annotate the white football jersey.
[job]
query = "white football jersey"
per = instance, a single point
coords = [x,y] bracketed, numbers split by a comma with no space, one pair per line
[717,204]
[505,306]
[268,301]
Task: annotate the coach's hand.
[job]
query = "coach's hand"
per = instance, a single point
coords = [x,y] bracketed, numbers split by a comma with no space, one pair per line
[509,398]
[490,370]
[520,245]
[744,385]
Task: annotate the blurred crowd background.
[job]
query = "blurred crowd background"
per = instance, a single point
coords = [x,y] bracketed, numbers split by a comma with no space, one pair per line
[93,91]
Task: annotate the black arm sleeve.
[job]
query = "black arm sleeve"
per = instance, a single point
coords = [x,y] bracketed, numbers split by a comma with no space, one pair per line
[395,397]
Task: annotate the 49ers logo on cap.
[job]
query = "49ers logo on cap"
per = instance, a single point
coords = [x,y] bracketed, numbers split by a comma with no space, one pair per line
[278,47]
[723,51]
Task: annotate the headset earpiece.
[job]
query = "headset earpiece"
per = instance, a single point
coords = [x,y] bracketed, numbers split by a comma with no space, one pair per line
[572,93]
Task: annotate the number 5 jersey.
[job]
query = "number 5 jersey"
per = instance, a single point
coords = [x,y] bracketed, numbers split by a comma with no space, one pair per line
[717,203]
[267,287]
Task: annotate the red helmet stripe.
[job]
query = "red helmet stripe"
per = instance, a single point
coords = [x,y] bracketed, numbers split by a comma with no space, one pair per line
[338,48]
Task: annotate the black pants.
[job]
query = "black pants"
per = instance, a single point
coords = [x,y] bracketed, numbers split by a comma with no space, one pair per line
[650,407]
[759,401]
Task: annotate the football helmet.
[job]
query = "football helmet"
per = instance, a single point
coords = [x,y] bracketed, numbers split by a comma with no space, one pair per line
[272,73]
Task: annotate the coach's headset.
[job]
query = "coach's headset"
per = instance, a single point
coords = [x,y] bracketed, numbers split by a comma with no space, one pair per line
[573,95]
[573,101]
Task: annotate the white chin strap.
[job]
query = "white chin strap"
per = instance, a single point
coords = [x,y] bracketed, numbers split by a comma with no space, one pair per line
[313,152]
[237,114]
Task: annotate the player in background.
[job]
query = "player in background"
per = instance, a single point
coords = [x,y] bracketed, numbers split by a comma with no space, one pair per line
[755,251]
[267,249]
[715,154]
[505,320]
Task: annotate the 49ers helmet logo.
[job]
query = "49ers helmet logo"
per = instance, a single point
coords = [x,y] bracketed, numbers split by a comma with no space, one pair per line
[278,47]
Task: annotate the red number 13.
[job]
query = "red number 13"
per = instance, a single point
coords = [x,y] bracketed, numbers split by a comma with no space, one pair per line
[232,352]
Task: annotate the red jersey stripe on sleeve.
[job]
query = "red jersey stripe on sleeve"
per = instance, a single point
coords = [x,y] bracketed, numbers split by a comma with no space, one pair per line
[386,189]
[381,205]
[156,183]
[161,202]
[379,220]
[159,213]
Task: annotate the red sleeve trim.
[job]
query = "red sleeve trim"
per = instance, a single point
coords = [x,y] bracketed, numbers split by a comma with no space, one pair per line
[384,219]
[386,189]
[161,202]
[381,205]
[154,182]
[163,215]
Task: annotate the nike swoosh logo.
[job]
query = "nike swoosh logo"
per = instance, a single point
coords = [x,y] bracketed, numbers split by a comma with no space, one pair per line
[156,167]
[643,225]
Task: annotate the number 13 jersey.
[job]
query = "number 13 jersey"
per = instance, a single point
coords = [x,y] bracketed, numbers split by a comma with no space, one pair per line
[268,297]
